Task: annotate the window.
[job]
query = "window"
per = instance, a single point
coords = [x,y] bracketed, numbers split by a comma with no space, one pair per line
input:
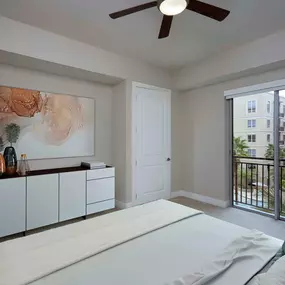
[268,123]
[251,123]
[251,152]
[251,138]
[268,138]
[251,106]
[268,107]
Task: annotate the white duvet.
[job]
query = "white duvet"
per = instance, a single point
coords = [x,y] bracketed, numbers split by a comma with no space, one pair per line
[237,263]
[25,260]
[156,242]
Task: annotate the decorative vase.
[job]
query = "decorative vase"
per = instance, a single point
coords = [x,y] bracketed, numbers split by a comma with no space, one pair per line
[10,160]
[2,165]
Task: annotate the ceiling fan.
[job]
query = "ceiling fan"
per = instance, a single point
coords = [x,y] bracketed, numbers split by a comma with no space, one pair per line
[170,8]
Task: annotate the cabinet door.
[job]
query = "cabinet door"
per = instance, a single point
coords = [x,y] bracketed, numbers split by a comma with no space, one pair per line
[72,195]
[100,190]
[42,200]
[12,206]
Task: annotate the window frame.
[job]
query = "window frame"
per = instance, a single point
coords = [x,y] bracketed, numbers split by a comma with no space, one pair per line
[250,150]
[250,109]
[268,107]
[250,125]
[251,136]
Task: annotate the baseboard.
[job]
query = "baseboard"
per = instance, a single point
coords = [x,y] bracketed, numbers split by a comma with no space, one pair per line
[187,194]
[178,193]
[123,205]
[201,198]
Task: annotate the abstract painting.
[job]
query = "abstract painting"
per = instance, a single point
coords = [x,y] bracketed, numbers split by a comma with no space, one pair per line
[52,125]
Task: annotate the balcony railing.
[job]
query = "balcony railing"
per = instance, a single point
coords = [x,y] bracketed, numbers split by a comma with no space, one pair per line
[281,129]
[254,184]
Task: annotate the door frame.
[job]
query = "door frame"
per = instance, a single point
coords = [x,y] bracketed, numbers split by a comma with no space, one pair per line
[133,134]
[229,148]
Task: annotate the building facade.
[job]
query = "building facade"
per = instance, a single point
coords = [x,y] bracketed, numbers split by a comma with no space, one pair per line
[253,121]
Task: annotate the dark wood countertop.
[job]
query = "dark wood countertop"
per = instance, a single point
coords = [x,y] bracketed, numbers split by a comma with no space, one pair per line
[48,171]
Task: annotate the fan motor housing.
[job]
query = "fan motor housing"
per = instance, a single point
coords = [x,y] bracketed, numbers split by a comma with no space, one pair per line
[159,2]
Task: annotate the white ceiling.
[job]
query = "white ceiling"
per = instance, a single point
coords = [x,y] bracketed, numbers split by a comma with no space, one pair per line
[193,37]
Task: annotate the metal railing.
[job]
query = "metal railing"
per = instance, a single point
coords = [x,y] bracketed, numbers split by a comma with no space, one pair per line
[253,183]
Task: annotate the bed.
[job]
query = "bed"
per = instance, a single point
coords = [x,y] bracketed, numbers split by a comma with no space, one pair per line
[157,243]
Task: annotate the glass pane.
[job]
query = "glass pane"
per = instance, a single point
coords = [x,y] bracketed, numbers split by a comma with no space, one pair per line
[253,106]
[253,181]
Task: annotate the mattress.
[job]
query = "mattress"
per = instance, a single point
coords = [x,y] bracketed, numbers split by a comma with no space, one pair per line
[156,258]
[25,260]
[156,243]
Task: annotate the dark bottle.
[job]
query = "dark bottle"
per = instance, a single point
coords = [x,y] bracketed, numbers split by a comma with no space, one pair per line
[10,160]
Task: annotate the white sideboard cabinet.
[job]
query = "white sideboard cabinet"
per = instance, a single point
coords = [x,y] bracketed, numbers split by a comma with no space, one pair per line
[72,195]
[12,206]
[46,197]
[42,200]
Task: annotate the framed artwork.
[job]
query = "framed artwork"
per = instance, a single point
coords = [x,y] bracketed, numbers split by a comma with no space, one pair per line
[52,125]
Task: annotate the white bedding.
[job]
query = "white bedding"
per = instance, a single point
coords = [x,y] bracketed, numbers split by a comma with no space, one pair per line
[237,263]
[158,257]
[275,275]
[25,260]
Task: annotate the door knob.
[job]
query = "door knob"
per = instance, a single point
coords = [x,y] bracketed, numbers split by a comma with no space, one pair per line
[168,159]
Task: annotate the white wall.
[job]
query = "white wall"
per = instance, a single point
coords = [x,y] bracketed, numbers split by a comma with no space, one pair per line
[122,140]
[261,54]
[119,141]
[25,78]
[203,135]
[30,41]
[176,142]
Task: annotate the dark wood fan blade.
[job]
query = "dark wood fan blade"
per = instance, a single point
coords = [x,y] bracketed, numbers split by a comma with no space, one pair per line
[133,10]
[208,10]
[165,27]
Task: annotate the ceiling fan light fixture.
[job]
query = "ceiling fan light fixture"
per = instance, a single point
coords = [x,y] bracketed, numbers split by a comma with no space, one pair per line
[172,7]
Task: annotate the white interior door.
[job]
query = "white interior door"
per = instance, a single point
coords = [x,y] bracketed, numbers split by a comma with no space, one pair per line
[152,114]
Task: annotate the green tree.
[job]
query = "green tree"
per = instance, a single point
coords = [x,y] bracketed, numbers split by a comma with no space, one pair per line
[269,153]
[240,148]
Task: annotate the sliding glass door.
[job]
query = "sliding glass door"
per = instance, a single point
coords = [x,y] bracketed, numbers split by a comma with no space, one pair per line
[258,152]
[281,192]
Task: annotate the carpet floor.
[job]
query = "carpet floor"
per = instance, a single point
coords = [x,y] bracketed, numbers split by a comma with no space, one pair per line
[239,217]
